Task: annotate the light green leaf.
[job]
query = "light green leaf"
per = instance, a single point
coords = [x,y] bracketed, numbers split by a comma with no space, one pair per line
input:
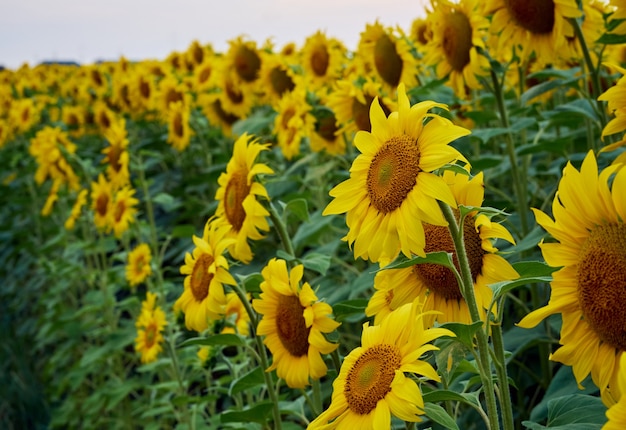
[226,339]
[298,207]
[440,416]
[442,258]
[248,381]
[317,262]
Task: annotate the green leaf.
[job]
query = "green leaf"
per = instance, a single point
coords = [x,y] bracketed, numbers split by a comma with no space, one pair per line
[248,381]
[298,207]
[464,332]
[258,414]
[575,411]
[168,202]
[349,307]
[440,416]
[442,258]
[612,39]
[183,231]
[436,396]
[317,262]
[226,339]
[501,288]
[533,268]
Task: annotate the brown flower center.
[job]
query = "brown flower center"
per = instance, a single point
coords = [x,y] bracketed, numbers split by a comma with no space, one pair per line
[227,117]
[326,127]
[393,173]
[457,40]
[602,283]
[120,208]
[172,96]
[151,334]
[320,60]
[201,278]
[388,62]
[536,16]
[291,326]
[440,279]
[177,124]
[237,190]
[281,82]
[247,63]
[369,380]
[113,156]
[144,89]
[361,112]
[102,204]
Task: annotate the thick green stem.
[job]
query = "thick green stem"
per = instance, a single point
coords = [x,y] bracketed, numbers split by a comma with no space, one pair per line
[503,377]
[281,229]
[467,288]
[519,180]
[269,382]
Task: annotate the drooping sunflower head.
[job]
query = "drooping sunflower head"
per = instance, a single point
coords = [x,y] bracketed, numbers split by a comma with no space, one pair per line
[386,55]
[372,384]
[589,288]
[293,324]
[206,269]
[238,206]
[392,184]
[458,29]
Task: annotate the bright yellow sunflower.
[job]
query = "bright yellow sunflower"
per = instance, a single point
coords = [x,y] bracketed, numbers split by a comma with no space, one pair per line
[150,325]
[138,267]
[23,115]
[81,200]
[588,289]
[616,414]
[234,96]
[458,30]
[294,122]
[211,106]
[102,202]
[123,210]
[327,136]
[48,147]
[238,206]
[372,385]
[392,186]
[116,157]
[243,60]
[397,287]
[238,320]
[386,55]
[277,77]
[293,323]
[527,26]
[322,58]
[351,104]
[203,298]
[179,131]
[616,100]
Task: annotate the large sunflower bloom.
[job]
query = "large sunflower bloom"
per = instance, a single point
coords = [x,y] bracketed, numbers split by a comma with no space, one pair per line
[399,286]
[293,324]
[238,206]
[372,385]
[528,26]
[203,297]
[588,289]
[458,30]
[391,186]
[150,325]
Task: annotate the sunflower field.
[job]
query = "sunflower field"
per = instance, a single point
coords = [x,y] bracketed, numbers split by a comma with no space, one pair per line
[426,232]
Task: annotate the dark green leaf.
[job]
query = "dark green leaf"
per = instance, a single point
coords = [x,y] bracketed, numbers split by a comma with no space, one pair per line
[248,381]
[464,332]
[440,416]
[317,262]
[257,413]
[442,258]
[226,339]
[612,39]
[501,288]
[349,307]
[298,207]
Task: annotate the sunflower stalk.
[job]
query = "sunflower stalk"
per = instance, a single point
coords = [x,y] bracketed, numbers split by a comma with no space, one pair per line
[281,228]
[269,382]
[467,288]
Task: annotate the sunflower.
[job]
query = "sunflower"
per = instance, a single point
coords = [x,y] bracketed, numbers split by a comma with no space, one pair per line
[236,315]
[392,186]
[322,59]
[616,414]
[179,131]
[277,78]
[203,297]
[102,202]
[458,30]
[116,156]
[53,196]
[235,97]
[238,206]
[420,33]
[293,122]
[23,115]
[293,323]
[399,286]
[48,148]
[244,61]
[103,115]
[81,200]
[138,267]
[150,325]
[73,116]
[527,26]
[386,55]
[615,98]
[123,210]
[588,289]
[351,104]
[211,106]
[326,136]
[171,91]
[372,385]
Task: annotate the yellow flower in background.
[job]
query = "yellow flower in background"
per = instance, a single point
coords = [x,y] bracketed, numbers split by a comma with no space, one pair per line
[179,131]
[138,268]
[293,123]
[436,285]
[238,320]
[116,157]
[527,26]
[392,186]
[81,200]
[244,61]
[619,12]
[351,104]
[616,414]
[234,97]
[293,323]
[616,100]
[53,196]
[23,115]
[74,117]
[372,385]
[420,33]
[386,56]
[102,202]
[211,105]
[206,269]
[277,78]
[103,116]
[170,91]
[238,207]
[48,147]
[204,74]
[458,29]
[123,210]
[150,325]
[588,289]
[322,58]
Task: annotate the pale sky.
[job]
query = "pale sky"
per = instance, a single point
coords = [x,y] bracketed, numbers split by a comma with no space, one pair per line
[89,30]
